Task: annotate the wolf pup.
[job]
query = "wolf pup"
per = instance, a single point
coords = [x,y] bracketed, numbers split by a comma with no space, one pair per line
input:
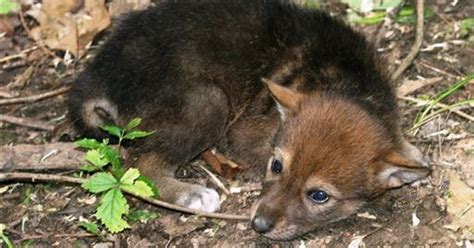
[325,115]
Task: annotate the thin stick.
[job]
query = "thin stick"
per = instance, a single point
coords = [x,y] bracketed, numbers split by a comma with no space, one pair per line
[62,235]
[246,188]
[27,122]
[418,41]
[58,178]
[34,98]
[18,55]
[38,41]
[216,180]
[439,105]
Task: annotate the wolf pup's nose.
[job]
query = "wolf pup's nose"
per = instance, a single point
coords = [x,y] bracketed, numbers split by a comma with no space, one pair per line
[261,224]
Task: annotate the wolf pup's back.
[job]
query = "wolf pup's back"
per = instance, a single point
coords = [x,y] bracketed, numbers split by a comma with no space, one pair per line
[325,114]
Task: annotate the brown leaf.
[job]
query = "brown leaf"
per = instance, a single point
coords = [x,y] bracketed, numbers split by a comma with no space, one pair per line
[70,25]
[460,203]
[410,86]
[118,7]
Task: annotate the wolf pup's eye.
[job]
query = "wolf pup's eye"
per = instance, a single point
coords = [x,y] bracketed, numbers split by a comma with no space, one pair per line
[318,196]
[276,166]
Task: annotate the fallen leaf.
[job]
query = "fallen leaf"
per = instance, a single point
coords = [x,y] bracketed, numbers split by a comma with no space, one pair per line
[68,25]
[460,203]
[174,227]
[414,219]
[357,242]
[118,7]
[410,86]
[367,216]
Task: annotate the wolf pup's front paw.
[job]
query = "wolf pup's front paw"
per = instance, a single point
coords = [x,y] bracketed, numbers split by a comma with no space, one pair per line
[200,198]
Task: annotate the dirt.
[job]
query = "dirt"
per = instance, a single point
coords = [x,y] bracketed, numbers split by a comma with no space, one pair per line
[46,215]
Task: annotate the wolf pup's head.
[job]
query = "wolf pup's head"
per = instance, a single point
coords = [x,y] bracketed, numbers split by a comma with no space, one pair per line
[330,157]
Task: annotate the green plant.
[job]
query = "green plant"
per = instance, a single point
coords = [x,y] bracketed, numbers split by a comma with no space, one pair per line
[7,6]
[423,115]
[111,181]
[4,237]
[406,15]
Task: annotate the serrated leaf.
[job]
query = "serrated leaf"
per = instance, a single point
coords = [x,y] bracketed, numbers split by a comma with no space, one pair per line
[113,130]
[100,182]
[112,156]
[88,143]
[133,124]
[137,134]
[90,227]
[139,187]
[113,206]
[130,176]
[151,184]
[96,158]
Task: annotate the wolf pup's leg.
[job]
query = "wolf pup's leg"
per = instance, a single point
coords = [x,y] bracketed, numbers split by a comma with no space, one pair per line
[179,137]
[171,190]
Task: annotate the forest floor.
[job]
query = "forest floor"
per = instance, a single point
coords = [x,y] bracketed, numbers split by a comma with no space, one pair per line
[47,214]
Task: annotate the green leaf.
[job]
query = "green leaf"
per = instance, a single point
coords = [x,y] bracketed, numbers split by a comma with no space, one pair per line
[89,168]
[113,206]
[88,143]
[7,6]
[90,227]
[96,158]
[142,215]
[139,187]
[130,176]
[133,124]
[137,134]
[100,182]
[466,26]
[113,130]
[151,184]
[112,156]
[4,237]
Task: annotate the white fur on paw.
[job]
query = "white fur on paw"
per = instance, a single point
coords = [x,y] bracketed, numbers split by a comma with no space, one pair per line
[200,198]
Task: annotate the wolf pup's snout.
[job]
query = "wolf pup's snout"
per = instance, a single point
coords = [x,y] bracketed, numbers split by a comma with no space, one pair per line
[262,224]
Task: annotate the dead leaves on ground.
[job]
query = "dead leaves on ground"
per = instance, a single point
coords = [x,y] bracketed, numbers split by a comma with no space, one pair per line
[460,203]
[71,25]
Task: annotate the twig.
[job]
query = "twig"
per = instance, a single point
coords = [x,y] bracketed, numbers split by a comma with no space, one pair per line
[439,105]
[27,122]
[34,98]
[418,41]
[216,180]
[246,188]
[21,54]
[58,178]
[38,41]
[63,235]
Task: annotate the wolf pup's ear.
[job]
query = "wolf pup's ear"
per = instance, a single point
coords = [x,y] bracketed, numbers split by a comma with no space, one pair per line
[403,165]
[288,101]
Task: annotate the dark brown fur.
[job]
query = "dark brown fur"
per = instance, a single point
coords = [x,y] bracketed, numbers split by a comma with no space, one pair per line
[193,69]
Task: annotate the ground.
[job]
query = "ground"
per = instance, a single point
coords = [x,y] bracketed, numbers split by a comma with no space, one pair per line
[45,215]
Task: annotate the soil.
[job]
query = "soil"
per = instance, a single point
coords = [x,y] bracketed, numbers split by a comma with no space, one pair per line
[47,214]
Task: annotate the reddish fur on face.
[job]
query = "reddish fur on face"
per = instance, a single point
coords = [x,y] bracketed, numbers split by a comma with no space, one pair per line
[330,144]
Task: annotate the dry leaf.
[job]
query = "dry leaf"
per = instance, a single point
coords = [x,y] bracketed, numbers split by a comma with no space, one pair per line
[409,86]
[414,219]
[70,25]
[357,242]
[460,203]
[118,7]
[367,216]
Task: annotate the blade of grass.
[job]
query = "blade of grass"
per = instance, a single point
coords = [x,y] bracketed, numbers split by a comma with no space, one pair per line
[441,96]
